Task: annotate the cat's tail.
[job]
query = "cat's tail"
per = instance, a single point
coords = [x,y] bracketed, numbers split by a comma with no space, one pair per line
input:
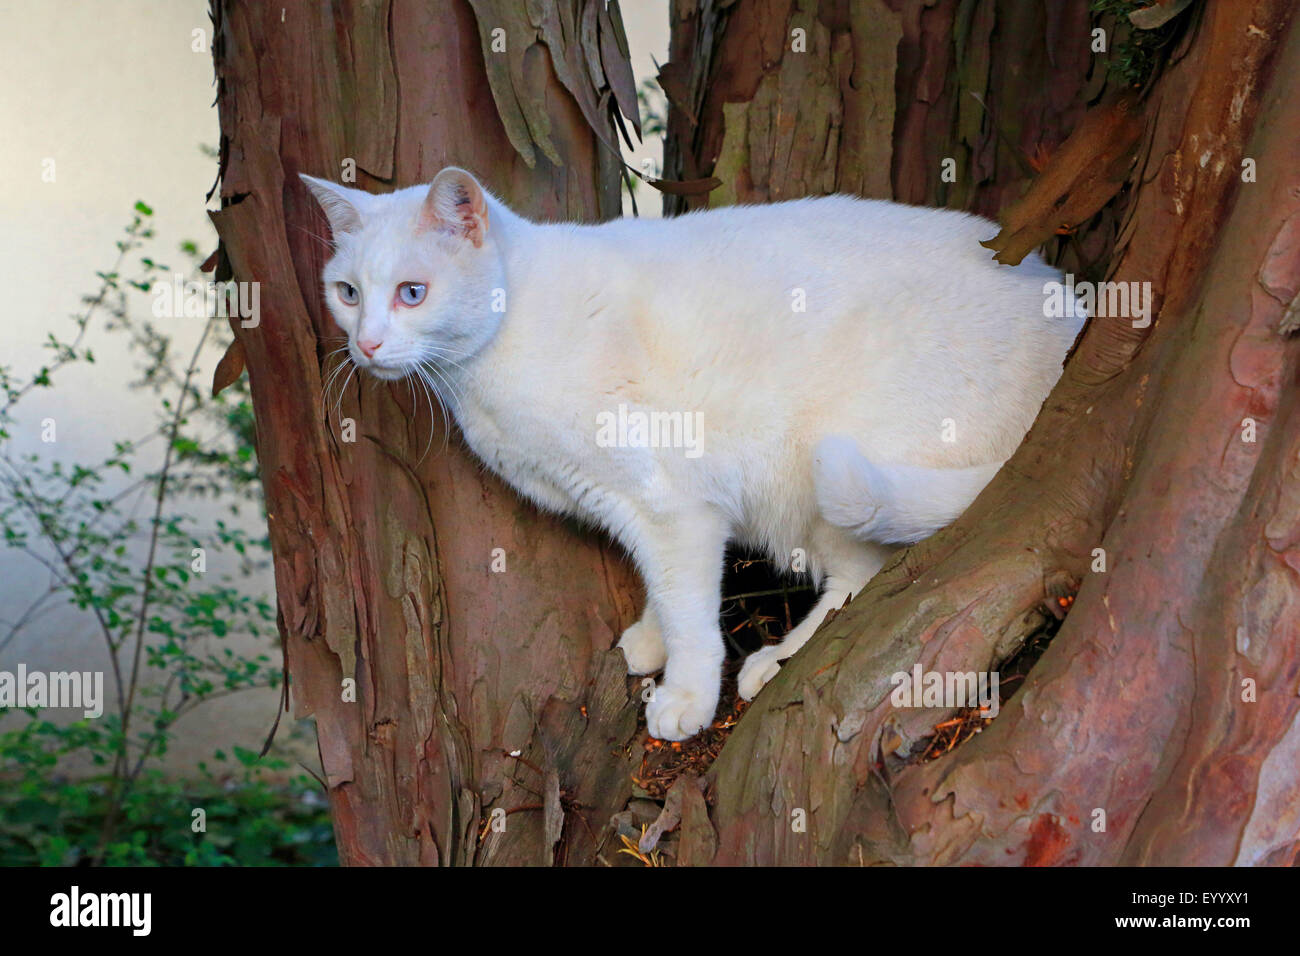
[886,503]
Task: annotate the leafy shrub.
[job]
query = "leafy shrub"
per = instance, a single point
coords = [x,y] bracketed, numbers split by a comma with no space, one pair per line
[92,791]
[50,819]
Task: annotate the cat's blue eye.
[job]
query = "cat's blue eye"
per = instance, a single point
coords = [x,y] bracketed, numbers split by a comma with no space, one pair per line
[348,293]
[412,293]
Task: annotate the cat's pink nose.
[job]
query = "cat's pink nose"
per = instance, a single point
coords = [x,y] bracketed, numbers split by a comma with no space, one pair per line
[368,346]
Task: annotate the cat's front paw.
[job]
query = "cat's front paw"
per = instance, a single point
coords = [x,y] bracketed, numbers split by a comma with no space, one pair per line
[759,668]
[643,647]
[676,712]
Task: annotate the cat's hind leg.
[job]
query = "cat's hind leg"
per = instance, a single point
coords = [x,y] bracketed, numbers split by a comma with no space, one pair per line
[848,568]
[891,503]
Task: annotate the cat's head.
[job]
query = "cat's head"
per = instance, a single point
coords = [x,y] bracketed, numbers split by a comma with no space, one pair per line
[415,273]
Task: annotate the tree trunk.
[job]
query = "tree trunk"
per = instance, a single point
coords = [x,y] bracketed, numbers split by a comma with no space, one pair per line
[928,102]
[1160,725]
[383,553]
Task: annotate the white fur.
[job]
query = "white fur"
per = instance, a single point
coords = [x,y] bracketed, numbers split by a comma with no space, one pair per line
[822,430]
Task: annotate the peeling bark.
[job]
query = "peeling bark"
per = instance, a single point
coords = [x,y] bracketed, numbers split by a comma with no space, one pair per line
[884,92]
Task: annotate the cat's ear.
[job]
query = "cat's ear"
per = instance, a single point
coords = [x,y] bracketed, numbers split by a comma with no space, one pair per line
[340,204]
[455,203]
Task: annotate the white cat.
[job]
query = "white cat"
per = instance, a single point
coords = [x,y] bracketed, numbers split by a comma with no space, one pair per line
[837,376]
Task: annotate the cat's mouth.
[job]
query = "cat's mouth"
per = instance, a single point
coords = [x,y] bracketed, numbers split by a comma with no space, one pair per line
[389,373]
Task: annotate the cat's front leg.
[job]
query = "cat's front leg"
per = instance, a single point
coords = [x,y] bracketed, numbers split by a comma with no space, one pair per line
[682,563]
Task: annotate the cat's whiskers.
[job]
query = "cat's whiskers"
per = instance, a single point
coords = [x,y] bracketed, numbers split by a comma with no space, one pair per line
[333,376]
[343,389]
[410,387]
[433,393]
[319,238]
[428,401]
[329,382]
[434,355]
[457,396]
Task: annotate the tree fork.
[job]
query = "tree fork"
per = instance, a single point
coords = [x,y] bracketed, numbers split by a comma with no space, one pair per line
[1138,451]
